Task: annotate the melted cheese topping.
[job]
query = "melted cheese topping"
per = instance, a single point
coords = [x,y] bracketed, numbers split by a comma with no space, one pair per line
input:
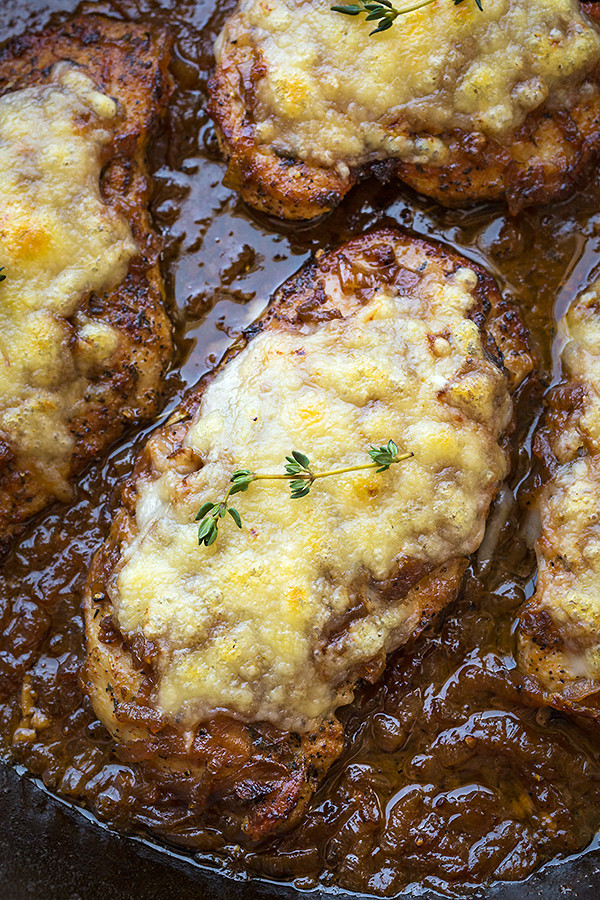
[569,550]
[242,625]
[58,242]
[328,92]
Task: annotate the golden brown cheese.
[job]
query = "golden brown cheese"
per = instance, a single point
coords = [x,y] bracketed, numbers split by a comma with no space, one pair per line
[333,96]
[59,241]
[560,626]
[240,625]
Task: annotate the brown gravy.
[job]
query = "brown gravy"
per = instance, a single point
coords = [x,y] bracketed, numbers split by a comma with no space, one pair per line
[448,777]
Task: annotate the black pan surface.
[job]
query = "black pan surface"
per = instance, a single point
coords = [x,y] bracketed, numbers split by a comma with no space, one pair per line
[50,851]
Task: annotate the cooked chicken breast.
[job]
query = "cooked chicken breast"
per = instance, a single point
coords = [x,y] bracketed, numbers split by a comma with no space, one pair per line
[559,637]
[85,338]
[221,667]
[460,103]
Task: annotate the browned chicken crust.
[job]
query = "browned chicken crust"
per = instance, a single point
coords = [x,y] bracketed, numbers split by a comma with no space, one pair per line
[546,158]
[254,777]
[129,63]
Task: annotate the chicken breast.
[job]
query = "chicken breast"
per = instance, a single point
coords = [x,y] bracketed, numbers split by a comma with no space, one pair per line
[220,666]
[462,104]
[559,634]
[85,339]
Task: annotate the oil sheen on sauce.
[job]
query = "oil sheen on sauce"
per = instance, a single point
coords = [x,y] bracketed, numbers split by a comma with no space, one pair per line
[448,777]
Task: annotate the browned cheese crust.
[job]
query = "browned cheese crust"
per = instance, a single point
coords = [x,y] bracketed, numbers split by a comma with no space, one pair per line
[559,628]
[545,159]
[129,63]
[255,777]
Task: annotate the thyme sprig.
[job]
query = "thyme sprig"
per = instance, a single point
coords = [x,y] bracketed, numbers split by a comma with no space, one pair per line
[301,477]
[382,11]
[2,277]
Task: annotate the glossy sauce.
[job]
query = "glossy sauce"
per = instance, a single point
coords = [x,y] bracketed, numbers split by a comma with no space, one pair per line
[448,777]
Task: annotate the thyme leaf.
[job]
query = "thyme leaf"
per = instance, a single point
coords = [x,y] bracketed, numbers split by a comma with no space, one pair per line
[235,516]
[384,456]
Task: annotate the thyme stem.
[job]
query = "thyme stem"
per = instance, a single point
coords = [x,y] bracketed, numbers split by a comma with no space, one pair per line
[301,478]
[312,476]
[373,465]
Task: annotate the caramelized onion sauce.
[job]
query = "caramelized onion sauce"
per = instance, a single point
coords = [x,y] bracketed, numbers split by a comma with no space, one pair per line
[449,777]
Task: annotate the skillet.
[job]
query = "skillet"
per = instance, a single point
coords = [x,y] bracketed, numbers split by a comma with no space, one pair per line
[49,849]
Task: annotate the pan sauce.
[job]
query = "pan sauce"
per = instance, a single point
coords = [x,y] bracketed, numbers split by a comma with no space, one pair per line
[449,777]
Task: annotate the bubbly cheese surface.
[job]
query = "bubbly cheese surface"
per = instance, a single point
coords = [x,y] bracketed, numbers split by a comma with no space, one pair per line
[330,94]
[58,242]
[569,549]
[246,624]
[570,582]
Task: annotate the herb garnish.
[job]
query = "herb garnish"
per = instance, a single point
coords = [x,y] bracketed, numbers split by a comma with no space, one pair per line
[2,277]
[301,478]
[384,13]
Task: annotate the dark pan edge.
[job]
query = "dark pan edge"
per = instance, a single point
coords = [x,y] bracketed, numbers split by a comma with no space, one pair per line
[51,850]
